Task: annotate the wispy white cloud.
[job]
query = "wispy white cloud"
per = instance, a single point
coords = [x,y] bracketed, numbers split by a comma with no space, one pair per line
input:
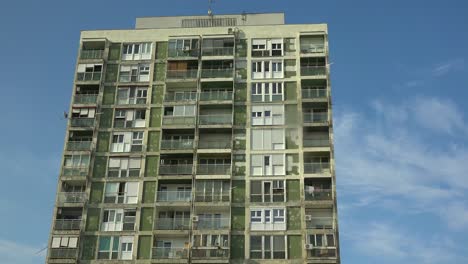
[444,68]
[16,253]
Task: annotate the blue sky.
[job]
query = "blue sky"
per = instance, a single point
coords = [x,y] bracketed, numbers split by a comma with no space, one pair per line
[399,86]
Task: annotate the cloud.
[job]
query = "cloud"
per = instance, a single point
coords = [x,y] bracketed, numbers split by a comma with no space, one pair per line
[15,253]
[444,68]
[425,75]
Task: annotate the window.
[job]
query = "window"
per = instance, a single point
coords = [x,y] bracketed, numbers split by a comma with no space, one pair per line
[277,66]
[76,161]
[121,192]
[136,51]
[108,247]
[267,164]
[256,114]
[64,242]
[131,95]
[278,215]
[322,240]
[124,167]
[273,115]
[256,216]
[134,73]
[267,113]
[267,139]
[180,110]
[89,72]
[118,138]
[266,92]
[267,247]
[257,66]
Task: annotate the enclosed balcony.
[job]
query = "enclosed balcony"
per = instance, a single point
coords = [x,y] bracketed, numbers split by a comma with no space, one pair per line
[318,189]
[177,139]
[209,253]
[316,137]
[179,115]
[68,219]
[89,72]
[210,246]
[314,90]
[218,47]
[216,94]
[82,117]
[319,218]
[180,96]
[92,50]
[170,220]
[267,47]
[215,115]
[212,191]
[86,94]
[180,192]
[170,247]
[176,165]
[208,219]
[183,48]
[321,245]
[214,165]
[314,67]
[315,114]
[317,163]
[75,165]
[217,69]
[182,70]
[72,193]
[313,44]
[80,141]
[63,253]
[215,138]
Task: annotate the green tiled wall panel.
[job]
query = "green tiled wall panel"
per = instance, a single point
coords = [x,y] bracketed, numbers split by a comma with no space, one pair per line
[100,165]
[97,191]
[295,247]
[293,190]
[109,95]
[238,191]
[146,220]
[103,142]
[149,191]
[153,141]
[294,218]
[151,166]
[238,218]
[237,247]
[144,247]
[92,219]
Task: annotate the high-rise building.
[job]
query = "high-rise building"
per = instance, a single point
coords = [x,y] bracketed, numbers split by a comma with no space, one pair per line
[199,139]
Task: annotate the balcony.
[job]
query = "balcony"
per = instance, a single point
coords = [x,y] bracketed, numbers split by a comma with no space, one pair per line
[317,117]
[216,96]
[176,169]
[82,122]
[63,253]
[312,48]
[307,70]
[169,253]
[67,224]
[71,197]
[319,223]
[311,142]
[178,120]
[174,196]
[214,144]
[218,51]
[314,194]
[177,144]
[79,145]
[217,73]
[315,167]
[119,198]
[210,253]
[91,54]
[214,169]
[88,76]
[182,74]
[85,99]
[172,224]
[314,92]
[180,96]
[183,53]
[223,119]
[324,252]
[75,171]
[211,197]
[212,223]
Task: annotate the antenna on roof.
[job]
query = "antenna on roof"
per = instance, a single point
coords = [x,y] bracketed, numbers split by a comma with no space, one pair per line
[210,12]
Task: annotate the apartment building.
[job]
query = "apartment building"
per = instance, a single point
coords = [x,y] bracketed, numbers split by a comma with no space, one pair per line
[199,139]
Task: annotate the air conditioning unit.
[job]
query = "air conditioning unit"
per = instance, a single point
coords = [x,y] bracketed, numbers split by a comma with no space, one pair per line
[309,246]
[195,218]
[308,217]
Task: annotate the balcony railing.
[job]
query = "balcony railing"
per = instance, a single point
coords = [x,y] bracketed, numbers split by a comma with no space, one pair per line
[88,76]
[71,197]
[313,93]
[175,53]
[210,253]
[118,198]
[321,253]
[218,51]
[320,223]
[182,74]
[82,122]
[169,253]
[217,73]
[211,197]
[313,194]
[215,119]
[85,99]
[311,142]
[212,223]
[258,198]
[75,171]
[79,145]
[63,253]
[214,144]
[91,54]
[180,96]
[319,117]
[174,196]
[176,169]
[216,96]
[316,167]
[178,120]
[67,224]
[214,169]
[312,48]
[177,144]
[313,70]
[172,224]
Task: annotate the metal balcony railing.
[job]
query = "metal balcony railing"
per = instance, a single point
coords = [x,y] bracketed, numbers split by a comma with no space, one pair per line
[177,144]
[217,73]
[314,194]
[180,96]
[71,197]
[314,92]
[63,253]
[311,142]
[91,54]
[178,120]
[214,169]
[169,253]
[209,197]
[82,122]
[214,144]
[319,117]
[172,224]
[218,51]
[216,96]
[316,167]
[182,74]
[176,53]
[79,145]
[313,70]
[212,223]
[321,252]
[215,119]
[210,253]
[320,223]
[75,171]
[176,169]
[312,48]
[88,76]
[85,98]
[174,196]
[67,224]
